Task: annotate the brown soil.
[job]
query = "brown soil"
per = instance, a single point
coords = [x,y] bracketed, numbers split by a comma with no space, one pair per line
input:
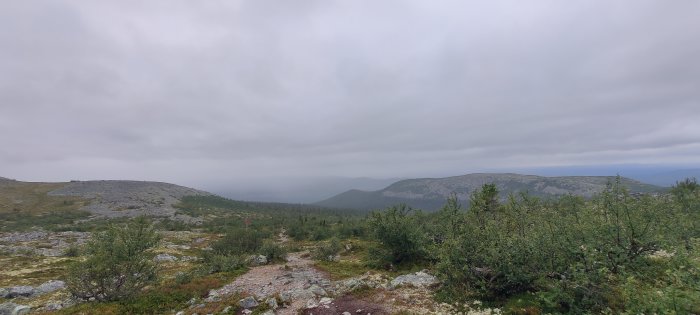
[350,304]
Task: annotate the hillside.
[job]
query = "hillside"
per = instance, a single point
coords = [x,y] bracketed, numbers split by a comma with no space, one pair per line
[114,198]
[431,193]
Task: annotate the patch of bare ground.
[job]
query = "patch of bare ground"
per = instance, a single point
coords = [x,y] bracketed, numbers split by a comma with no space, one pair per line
[350,304]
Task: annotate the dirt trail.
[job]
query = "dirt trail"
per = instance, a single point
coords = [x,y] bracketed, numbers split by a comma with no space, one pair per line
[294,278]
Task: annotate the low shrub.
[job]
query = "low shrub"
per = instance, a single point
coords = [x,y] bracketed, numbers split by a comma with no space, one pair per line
[328,250]
[273,251]
[119,263]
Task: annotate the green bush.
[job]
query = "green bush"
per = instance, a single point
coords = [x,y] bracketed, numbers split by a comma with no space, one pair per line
[119,263]
[72,251]
[215,262]
[401,232]
[239,241]
[328,250]
[273,251]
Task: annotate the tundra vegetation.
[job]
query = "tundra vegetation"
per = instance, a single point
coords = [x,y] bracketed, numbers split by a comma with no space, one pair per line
[615,253]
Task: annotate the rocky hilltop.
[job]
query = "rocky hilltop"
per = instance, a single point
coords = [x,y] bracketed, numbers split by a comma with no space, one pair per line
[103,198]
[120,198]
[431,193]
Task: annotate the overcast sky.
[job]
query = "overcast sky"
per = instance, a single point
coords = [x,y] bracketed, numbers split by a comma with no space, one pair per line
[217,92]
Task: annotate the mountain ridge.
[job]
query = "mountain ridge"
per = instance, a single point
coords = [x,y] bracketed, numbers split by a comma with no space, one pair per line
[431,193]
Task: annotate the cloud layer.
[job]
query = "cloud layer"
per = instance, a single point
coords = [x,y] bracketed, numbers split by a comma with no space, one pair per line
[204,92]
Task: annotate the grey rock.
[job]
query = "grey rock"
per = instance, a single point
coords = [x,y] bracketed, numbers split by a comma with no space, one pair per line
[248,302]
[4,292]
[259,260]
[165,258]
[317,290]
[346,313]
[325,301]
[7,308]
[286,296]
[23,291]
[311,303]
[180,313]
[50,286]
[225,310]
[14,309]
[418,279]
[269,312]
[21,310]
[272,303]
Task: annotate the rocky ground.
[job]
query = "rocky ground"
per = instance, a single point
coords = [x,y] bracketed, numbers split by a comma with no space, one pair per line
[297,287]
[34,266]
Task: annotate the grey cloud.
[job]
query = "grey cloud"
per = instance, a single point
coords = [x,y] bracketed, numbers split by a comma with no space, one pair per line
[223,91]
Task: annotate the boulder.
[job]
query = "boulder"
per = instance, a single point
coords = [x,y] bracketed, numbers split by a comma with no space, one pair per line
[13,309]
[272,303]
[418,279]
[317,290]
[248,302]
[165,258]
[325,301]
[23,291]
[260,260]
[286,296]
[50,286]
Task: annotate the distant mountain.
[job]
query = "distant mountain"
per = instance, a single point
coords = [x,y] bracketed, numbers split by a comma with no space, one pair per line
[105,198]
[431,193]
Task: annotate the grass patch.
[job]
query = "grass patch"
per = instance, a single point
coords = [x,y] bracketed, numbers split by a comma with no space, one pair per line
[338,270]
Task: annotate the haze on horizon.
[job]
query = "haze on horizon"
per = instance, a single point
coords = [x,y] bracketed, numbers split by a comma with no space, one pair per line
[254,94]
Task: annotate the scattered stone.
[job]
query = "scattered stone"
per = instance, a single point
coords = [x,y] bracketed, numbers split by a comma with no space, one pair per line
[325,301]
[286,296]
[165,258]
[272,303]
[180,313]
[311,303]
[346,313]
[268,312]
[318,291]
[418,280]
[226,310]
[248,302]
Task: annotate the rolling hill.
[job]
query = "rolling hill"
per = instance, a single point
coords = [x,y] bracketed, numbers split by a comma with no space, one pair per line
[107,198]
[430,193]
